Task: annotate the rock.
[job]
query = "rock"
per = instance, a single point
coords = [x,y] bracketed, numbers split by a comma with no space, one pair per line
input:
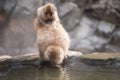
[74,53]
[93,25]
[105,29]
[30,5]
[112,48]
[84,38]
[94,35]
[99,42]
[81,3]
[95,59]
[106,10]
[32,59]
[116,37]
[26,59]
[100,32]
[79,36]
[5,61]
[17,36]
[66,8]
[70,15]
[101,59]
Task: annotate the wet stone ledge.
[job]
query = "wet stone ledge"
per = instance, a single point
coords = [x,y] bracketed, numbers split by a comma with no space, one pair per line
[5,61]
[94,59]
[26,59]
[101,59]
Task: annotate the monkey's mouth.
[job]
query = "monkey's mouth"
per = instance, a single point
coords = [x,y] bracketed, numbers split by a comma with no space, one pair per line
[48,13]
[49,18]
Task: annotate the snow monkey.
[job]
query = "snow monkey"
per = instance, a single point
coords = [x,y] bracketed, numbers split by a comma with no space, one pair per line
[52,39]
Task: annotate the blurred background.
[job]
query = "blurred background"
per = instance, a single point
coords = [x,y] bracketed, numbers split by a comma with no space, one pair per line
[93,25]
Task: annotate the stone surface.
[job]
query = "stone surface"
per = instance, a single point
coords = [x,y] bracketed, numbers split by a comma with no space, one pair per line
[93,25]
[27,59]
[5,57]
[74,53]
[91,35]
[17,36]
[101,59]
[81,33]
[70,15]
[104,9]
[102,56]
[105,28]
[94,59]
[34,57]
[5,61]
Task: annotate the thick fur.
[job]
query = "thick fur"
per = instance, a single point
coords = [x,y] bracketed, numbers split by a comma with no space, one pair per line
[52,39]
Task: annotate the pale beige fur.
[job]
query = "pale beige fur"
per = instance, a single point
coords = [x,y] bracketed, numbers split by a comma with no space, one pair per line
[52,39]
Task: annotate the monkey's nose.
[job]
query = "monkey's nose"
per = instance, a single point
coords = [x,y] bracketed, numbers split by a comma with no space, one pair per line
[48,13]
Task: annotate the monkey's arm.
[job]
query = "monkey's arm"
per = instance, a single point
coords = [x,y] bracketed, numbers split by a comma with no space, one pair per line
[36,24]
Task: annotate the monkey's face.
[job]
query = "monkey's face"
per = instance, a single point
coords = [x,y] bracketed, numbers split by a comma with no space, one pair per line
[47,13]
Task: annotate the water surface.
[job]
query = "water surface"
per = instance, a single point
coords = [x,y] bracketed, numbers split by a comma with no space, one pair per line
[73,70]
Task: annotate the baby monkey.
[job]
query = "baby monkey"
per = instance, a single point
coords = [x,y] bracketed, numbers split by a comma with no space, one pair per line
[52,39]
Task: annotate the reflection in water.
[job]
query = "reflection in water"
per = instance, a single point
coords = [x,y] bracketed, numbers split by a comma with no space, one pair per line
[37,74]
[73,70]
